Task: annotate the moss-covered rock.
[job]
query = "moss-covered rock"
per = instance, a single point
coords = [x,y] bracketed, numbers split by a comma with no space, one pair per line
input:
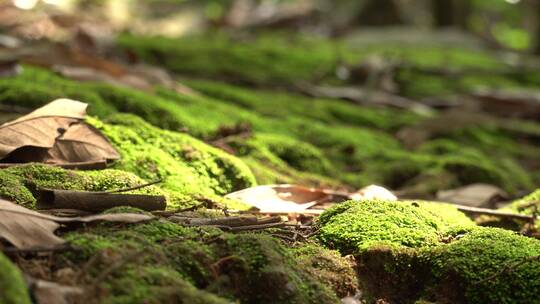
[355,226]
[407,251]
[13,289]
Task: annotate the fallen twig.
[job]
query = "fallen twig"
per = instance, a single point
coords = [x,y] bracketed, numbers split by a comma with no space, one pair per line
[90,165]
[130,188]
[485,211]
[60,248]
[97,201]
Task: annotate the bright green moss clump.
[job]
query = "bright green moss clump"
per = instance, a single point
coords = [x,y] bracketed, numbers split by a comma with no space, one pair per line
[355,226]
[249,268]
[13,289]
[408,251]
[481,253]
[188,167]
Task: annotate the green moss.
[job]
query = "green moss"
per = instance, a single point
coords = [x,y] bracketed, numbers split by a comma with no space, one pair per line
[523,205]
[22,182]
[412,250]
[249,268]
[334,139]
[355,226]
[187,167]
[480,254]
[247,61]
[12,285]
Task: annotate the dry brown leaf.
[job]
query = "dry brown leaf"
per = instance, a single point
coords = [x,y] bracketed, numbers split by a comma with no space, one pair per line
[25,228]
[81,143]
[46,292]
[54,133]
[475,195]
[41,127]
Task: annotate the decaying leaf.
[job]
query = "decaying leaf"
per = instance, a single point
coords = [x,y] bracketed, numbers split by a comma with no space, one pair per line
[475,195]
[299,199]
[46,292]
[54,133]
[25,228]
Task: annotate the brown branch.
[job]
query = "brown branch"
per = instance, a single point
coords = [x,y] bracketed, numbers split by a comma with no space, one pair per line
[130,188]
[14,250]
[97,202]
[257,227]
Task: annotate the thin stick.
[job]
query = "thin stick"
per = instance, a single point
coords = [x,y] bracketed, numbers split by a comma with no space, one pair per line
[13,250]
[131,188]
[257,227]
[486,211]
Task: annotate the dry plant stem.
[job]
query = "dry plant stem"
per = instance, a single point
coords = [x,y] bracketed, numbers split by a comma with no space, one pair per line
[509,268]
[131,188]
[476,210]
[14,250]
[91,165]
[257,227]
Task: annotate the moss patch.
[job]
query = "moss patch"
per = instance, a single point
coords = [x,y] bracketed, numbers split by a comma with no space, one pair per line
[354,226]
[12,285]
[250,268]
[408,251]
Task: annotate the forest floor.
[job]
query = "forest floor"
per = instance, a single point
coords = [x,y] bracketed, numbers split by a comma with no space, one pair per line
[209,115]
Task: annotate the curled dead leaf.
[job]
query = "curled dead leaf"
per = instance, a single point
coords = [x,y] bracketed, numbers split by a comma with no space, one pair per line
[54,133]
[25,228]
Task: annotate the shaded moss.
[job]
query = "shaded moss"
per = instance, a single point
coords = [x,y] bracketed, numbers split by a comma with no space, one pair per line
[250,268]
[481,253]
[187,167]
[13,289]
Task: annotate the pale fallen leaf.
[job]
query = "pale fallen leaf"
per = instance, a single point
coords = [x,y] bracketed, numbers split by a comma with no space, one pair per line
[285,198]
[25,228]
[474,195]
[373,192]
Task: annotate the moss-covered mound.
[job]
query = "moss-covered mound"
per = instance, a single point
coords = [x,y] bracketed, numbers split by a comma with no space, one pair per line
[13,289]
[355,226]
[408,251]
[188,167]
[162,261]
[352,145]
